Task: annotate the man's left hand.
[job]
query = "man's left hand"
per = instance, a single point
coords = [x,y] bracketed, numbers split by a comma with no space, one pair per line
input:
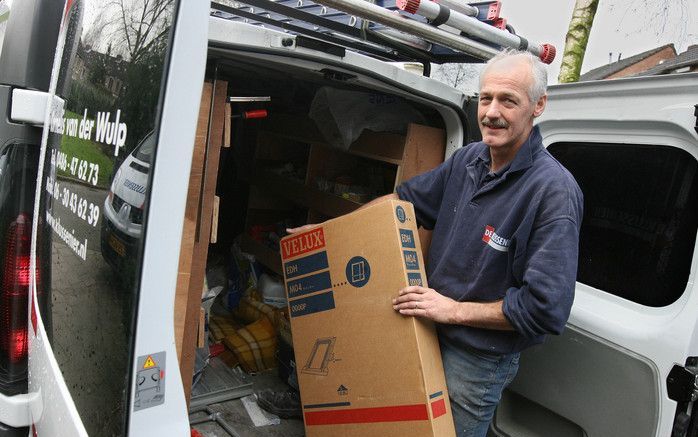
[427,303]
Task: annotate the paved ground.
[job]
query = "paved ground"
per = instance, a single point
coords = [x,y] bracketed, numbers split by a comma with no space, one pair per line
[88,309]
[234,413]
[90,341]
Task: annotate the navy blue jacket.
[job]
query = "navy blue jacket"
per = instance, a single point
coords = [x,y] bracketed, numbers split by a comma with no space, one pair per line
[513,236]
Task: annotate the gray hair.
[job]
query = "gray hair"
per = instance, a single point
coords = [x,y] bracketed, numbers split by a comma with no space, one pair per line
[539,73]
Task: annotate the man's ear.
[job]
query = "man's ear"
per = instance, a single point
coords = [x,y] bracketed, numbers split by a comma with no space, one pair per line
[540,105]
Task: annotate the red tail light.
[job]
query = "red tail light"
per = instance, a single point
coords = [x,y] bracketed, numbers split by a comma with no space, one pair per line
[15,290]
[19,345]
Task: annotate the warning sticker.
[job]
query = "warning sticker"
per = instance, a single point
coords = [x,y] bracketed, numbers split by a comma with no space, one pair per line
[150,381]
[149,362]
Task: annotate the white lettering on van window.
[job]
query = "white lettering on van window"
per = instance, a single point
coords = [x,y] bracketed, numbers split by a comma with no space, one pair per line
[73,202]
[111,132]
[80,169]
[81,207]
[77,246]
[107,127]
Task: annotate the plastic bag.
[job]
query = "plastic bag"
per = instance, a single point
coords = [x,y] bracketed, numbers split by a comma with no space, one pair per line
[342,115]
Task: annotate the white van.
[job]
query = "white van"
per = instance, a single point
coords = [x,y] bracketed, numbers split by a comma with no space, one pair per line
[110,345]
[123,208]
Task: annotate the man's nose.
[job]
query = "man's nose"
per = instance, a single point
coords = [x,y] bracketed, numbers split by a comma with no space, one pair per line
[493,110]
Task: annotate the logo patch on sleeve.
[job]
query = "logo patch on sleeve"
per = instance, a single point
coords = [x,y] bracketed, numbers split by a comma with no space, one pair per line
[495,241]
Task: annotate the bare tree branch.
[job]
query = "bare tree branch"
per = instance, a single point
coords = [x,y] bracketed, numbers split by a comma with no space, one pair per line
[134,24]
[659,15]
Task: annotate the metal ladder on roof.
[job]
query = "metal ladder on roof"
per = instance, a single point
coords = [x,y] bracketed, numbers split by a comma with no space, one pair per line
[423,31]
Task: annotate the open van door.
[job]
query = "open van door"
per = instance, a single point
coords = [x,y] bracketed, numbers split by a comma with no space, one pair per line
[626,364]
[122,104]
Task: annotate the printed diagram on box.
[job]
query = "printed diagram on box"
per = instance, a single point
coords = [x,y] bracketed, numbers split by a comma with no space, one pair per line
[358,271]
[320,357]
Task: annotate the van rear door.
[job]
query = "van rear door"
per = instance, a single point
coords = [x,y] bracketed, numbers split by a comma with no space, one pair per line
[618,369]
[123,104]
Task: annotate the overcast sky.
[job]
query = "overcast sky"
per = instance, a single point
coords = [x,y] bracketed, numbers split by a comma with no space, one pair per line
[621,26]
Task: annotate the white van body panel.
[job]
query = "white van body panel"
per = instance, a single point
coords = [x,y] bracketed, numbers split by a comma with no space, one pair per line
[54,413]
[170,181]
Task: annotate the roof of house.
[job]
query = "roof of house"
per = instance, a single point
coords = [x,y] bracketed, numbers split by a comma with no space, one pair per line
[684,59]
[614,67]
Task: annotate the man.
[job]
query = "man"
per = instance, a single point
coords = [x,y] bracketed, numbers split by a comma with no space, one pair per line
[503,257]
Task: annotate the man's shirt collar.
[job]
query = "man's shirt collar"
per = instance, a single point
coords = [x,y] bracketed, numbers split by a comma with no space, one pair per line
[523,158]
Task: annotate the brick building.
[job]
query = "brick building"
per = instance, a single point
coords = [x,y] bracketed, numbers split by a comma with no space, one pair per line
[632,66]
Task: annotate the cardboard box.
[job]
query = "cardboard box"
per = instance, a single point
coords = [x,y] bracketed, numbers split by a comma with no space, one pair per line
[363,369]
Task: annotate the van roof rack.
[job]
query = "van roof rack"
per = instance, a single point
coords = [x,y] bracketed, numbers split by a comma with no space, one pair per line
[393,30]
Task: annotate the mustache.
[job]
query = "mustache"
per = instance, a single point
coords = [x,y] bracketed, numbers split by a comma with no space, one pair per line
[497,123]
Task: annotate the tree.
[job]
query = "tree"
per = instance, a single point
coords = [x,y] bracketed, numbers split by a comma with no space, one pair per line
[658,15]
[461,76]
[576,40]
[137,25]
[138,31]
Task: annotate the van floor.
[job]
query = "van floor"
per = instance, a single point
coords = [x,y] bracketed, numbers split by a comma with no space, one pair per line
[234,413]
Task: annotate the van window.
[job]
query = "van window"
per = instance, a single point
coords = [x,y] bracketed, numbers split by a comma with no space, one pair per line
[640,218]
[4,16]
[95,196]
[144,151]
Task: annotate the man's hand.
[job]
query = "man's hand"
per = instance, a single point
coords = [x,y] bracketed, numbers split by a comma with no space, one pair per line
[427,303]
[299,229]
[430,304]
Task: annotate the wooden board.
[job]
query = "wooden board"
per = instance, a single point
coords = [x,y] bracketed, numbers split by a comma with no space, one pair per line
[214,219]
[425,148]
[381,146]
[190,219]
[227,126]
[195,238]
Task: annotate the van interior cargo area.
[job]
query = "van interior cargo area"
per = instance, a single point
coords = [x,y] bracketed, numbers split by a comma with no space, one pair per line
[276,147]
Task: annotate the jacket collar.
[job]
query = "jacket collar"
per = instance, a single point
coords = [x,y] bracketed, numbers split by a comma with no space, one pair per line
[524,157]
[522,161]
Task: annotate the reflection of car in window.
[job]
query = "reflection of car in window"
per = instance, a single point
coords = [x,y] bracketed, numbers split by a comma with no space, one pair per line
[123,207]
